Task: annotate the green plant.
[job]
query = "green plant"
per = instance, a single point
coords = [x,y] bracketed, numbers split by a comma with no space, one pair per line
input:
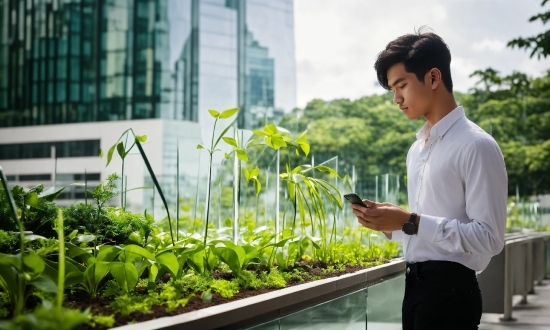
[36,213]
[123,152]
[8,242]
[240,153]
[226,289]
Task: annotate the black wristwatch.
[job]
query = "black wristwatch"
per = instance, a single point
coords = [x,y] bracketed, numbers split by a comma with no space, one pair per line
[409,227]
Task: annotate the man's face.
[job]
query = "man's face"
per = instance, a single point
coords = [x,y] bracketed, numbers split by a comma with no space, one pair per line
[414,97]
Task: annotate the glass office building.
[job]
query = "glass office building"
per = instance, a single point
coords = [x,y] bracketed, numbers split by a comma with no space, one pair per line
[68,61]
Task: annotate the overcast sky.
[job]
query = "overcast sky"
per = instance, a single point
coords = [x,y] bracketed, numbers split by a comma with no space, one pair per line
[337,40]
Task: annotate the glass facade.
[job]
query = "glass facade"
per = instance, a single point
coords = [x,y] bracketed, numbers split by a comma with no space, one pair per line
[62,149]
[66,61]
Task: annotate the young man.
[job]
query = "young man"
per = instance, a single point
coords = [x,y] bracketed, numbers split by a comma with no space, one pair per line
[457,190]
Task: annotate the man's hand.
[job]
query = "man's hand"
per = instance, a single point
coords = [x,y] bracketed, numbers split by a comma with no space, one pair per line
[383,217]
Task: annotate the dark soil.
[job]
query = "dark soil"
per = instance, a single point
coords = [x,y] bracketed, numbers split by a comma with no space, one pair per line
[100,306]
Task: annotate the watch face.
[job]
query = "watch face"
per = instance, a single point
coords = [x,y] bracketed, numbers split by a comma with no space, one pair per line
[409,228]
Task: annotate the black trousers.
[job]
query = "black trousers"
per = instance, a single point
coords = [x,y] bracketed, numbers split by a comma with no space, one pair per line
[441,295]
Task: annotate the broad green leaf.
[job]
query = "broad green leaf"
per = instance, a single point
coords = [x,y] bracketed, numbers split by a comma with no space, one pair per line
[85,238]
[53,196]
[141,138]
[74,251]
[230,141]
[31,199]
[324,168]
[110,154]
[230,257]
[8,278]
[34,263]
[74,278]
[305,148]
[228,113]
[259,133]
[270,129]
[269,142]
[214,113]
[302,138]
[196,261]
[125,274]
[33,237]
[120,149]
[247,174]
[108,252]
[255,172]
[45,284]
[95,273]
[297,169]
[135,237]
[101,153]
[153,272]
[200,146]
[139,250]
[169,260]
[242,155]
[226,155]
[278,142]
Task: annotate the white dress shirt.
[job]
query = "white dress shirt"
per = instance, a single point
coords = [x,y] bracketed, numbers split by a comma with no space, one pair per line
[458,185]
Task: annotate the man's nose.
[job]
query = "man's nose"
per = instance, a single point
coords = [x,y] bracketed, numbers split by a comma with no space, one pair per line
[397,99]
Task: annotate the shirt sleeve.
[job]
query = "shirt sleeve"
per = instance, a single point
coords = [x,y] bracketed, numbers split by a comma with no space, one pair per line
[397,236]
[486,192]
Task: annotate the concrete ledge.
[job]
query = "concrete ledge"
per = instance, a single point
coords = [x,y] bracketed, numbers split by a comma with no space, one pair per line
[254,310]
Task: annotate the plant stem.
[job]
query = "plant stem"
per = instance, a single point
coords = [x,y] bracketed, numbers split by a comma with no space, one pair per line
[61,275]
[177,188]
[20,302]
[208,199]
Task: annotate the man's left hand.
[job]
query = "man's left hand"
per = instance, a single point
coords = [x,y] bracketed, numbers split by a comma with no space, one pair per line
[384,217]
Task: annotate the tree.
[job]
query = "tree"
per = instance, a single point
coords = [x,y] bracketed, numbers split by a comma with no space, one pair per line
[539,44]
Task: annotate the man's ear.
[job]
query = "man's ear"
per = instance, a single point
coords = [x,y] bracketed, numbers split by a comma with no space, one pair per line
[434,77]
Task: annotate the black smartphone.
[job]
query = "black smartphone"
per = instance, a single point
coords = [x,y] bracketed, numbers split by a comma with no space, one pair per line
[353,198]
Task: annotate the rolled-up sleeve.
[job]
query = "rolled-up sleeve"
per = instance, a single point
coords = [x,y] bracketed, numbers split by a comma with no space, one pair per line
[486,190]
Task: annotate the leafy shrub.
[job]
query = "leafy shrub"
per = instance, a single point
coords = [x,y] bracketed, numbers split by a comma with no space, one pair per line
[110,225]
[226,289]
[37,214]
[9,243]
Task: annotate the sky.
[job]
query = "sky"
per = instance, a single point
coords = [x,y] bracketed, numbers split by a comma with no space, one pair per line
[337,41]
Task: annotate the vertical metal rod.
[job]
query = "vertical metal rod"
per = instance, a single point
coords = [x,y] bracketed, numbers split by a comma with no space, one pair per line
[85,187]
[508,284]
[387,186]
[54,151]
[236,173]
[376,190]
[277,188]
[177,189]
[266,192]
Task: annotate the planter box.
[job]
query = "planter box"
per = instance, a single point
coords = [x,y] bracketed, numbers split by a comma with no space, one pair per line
[258,309]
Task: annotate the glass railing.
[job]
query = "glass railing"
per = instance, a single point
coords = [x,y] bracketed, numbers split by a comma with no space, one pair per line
[347,312]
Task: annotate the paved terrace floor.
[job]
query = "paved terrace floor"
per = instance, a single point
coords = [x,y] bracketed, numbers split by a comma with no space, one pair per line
[535,315]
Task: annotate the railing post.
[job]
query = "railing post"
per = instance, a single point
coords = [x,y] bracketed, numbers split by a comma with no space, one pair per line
[508,284]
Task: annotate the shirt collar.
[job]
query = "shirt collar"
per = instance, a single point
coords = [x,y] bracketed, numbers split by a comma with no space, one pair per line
[442,126]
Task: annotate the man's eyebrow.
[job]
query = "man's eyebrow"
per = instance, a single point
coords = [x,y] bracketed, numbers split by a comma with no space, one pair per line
[397,81]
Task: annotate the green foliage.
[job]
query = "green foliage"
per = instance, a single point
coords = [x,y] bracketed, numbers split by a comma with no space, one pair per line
[539,44]
[47,317]
[37,213]
[9,243]
[110,224]
[107,321]
[226,289]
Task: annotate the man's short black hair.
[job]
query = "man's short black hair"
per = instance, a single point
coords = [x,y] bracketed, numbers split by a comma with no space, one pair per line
[419,53]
